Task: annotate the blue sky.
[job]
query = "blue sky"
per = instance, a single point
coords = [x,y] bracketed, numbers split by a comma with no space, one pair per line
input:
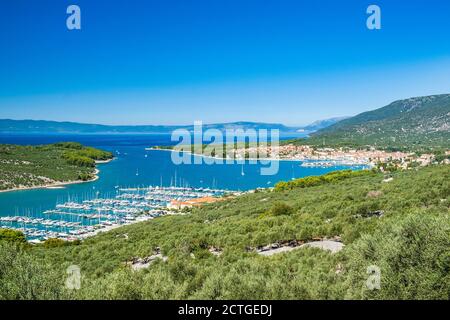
[176,61]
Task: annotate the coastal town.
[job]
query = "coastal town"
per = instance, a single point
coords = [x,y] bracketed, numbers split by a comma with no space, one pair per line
[324,157]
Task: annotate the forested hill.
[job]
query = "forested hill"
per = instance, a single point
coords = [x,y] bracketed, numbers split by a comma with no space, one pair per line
[35,166]
[420,121]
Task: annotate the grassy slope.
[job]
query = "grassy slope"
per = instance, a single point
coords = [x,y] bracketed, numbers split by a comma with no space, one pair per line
[29,166]
[410,244]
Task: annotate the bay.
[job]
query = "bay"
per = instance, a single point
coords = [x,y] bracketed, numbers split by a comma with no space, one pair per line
[134,166]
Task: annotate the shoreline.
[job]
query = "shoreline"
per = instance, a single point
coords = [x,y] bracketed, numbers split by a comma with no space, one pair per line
[56,185]
[61,184]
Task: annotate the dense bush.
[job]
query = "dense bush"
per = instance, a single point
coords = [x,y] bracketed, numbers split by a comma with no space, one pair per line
[84,156]
[24,277]
[95,154]
[69,145]
[319,180]
[413,257]
[280,208]
[85,176]
[54,242]
[9,235]
[78,160]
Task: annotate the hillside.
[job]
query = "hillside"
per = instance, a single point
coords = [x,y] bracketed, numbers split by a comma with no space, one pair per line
[401,226]
[414,122]
[41,126]
[34,166]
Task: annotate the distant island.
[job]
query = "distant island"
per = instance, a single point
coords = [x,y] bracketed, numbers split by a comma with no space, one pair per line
[25,167]
[43,126]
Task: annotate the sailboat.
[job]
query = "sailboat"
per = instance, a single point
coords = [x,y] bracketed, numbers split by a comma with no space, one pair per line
[242,170]
[137,172]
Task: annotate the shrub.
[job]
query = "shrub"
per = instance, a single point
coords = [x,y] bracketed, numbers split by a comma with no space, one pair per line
[54,242]
[320,180]
[85,176]
[69,145]
[413,256]
[76,159]
[280,208]
[9,235]
[23,277]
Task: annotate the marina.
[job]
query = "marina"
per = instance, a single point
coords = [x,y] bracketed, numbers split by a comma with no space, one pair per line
[328,164]
[77,220]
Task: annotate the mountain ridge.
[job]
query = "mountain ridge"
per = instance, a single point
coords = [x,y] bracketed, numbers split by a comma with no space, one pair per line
[45,126]
[414,121]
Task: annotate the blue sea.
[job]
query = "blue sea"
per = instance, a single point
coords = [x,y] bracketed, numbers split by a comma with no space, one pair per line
[134,166]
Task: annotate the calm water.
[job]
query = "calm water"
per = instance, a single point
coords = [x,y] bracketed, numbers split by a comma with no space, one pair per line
[134,166]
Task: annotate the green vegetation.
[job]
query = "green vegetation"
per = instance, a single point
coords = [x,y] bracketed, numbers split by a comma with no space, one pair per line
[14,236]
[409,242]
[31,166]
[413,255]
[227,150]
[441,156]
[24,277]
[421,124]
[319,180]
[280,208]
